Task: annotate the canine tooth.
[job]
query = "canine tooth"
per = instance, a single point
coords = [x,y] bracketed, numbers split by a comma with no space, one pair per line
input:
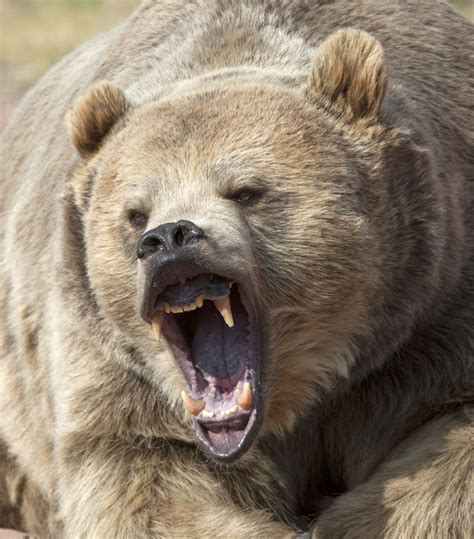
[157,322]
[199,301]
[231,284]
[167,309]
[194,407]
[244,400]
[223,306]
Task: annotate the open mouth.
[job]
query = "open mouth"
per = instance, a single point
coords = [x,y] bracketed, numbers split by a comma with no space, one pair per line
[211,330]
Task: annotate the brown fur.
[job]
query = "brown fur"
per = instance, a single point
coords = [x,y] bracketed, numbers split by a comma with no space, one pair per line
[350,75]
[92,119]
[355,122]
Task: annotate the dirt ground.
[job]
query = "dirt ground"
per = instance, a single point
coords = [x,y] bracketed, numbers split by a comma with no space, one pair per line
[34,34]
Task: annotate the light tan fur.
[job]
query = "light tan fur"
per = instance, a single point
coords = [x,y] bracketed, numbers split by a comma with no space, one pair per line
[354,122]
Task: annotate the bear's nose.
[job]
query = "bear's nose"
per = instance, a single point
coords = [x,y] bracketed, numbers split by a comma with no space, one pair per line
[167,237]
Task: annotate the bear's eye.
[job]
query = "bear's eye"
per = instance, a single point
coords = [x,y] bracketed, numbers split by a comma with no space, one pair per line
[137,219]
[246,196]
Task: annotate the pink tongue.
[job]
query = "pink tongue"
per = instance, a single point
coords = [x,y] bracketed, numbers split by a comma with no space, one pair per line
[219,351]
[226,441]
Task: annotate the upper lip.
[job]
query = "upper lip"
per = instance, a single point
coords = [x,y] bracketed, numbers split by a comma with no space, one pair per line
[171,269]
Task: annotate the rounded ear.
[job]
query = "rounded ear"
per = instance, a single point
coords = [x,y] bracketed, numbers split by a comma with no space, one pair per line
[94,115]
[349,75]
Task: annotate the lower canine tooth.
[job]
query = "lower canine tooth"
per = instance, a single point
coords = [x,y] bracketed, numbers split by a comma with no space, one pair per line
[194,407]
[157,323]
[223,306]
[245,398]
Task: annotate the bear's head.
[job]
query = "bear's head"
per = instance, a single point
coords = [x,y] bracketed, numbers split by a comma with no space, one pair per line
[233,232]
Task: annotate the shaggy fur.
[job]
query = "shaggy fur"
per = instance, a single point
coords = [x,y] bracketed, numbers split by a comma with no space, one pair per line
[354,120]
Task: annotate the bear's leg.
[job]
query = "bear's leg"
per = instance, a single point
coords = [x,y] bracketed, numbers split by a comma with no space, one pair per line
[143,489]
[9,513]
[22,506]
[423,490]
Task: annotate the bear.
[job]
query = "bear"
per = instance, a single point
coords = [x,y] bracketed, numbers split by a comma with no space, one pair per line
[238,277]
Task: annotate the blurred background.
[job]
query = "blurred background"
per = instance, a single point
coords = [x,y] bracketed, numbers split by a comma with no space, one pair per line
[34,34]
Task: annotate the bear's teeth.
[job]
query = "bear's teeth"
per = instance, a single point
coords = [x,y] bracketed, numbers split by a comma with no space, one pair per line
[190,307]
[157,323]
[194,407]
[223,306]
[244,400]
[185,308]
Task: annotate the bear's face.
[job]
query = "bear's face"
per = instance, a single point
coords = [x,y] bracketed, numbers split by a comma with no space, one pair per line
[232,222]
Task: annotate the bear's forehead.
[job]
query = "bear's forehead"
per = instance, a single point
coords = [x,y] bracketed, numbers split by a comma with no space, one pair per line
[238,116]
[222,131]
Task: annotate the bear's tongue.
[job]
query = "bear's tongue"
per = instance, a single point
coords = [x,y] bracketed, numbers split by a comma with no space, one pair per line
[215,359]
[219,352]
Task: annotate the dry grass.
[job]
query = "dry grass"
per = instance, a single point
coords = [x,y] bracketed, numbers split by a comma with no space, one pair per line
[37,33]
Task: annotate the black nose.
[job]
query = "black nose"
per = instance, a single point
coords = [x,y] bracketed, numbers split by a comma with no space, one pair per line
[167,237]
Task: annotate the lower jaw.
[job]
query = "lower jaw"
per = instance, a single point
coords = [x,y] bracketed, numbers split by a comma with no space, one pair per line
[225,444]
[226,422]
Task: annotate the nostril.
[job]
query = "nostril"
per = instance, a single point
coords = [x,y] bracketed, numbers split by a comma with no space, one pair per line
[153,244]
[187,232]
[179,237]
[149,244]
[167,237]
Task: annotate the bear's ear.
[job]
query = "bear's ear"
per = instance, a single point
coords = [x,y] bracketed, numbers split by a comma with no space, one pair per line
[349,76]
[94,115]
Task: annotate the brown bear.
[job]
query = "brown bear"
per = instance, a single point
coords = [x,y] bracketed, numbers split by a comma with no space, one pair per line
[238,278]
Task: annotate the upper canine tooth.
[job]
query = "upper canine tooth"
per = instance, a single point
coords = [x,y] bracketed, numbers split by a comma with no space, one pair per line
[167,309]
[199,301]
[223,306]
[157,322]
[195,407]
[244,400]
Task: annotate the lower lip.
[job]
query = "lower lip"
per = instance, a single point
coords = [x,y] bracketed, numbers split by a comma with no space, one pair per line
[247,439]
